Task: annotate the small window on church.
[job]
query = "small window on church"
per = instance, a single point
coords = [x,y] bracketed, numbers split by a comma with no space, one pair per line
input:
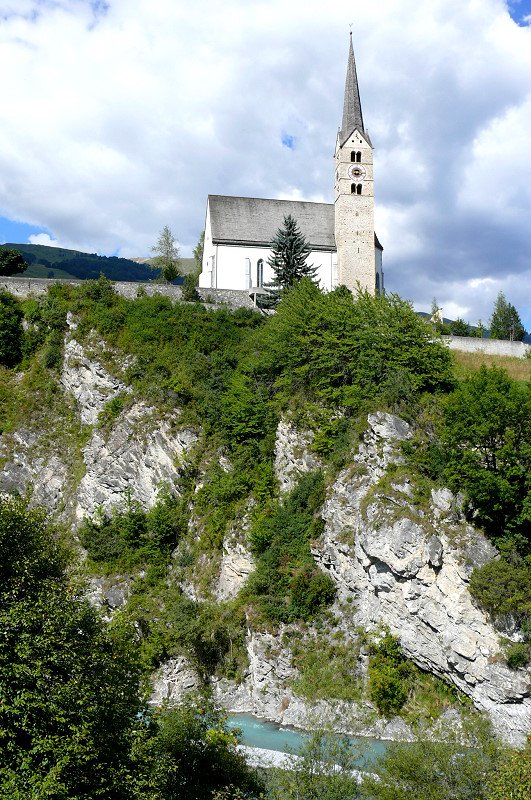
[352,188]
[377,283]
[260,272]
[358,188]
[353,155]
[358,156]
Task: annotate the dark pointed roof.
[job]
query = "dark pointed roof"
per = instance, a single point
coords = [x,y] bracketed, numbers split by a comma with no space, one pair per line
[352,114]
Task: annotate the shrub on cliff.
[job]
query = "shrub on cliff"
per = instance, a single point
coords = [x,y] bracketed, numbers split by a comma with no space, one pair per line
[11,331]
[342,350]
[487,439]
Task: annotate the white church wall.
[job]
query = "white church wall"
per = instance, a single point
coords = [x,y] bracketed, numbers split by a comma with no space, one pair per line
[237,267]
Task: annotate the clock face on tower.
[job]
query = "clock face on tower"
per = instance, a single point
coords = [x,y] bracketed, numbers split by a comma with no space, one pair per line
[357,172]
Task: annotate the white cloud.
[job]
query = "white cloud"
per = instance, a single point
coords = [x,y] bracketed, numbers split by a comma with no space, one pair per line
[43,238]
[120,118]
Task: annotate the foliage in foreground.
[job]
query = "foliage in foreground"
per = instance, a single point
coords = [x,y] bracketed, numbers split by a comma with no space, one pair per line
[430,770]
[72,721]
[69,685]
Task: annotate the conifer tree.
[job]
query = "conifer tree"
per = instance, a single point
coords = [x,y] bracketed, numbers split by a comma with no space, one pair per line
[505,322]
[289,253]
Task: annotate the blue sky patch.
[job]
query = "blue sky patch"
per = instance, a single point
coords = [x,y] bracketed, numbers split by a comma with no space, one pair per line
[520,11]
[17,232]
[289,141]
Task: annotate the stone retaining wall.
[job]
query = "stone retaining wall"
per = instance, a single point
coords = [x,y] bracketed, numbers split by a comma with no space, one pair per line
[495,347]
[36,287]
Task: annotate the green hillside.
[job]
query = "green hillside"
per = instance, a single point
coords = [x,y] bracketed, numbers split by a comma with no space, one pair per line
[57,262]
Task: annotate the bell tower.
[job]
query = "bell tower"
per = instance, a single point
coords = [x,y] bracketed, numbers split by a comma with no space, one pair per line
[354,193]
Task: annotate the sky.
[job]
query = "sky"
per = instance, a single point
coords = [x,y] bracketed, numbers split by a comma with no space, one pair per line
[119,117]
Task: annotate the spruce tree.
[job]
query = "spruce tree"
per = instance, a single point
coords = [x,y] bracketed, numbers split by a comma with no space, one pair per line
[289,253]
[505,322]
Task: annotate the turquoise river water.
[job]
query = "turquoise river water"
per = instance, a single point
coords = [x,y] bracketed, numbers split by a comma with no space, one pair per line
[257,732]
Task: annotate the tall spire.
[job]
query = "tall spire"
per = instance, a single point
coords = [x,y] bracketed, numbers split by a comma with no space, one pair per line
[352,115]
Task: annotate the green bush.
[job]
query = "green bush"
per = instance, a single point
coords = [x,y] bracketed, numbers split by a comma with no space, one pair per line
[517,655]
[511,780]
[189,289]
[286,584]
[503,588]
[389,675]
[131,536]
[53,352]
[487,436]
[11,331]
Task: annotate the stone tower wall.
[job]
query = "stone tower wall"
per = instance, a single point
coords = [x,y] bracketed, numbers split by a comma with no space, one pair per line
[354,216]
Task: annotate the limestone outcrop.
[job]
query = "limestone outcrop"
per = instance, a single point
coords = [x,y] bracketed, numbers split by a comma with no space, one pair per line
[139,455]
[293,456]
[86,379]
[141,451]
[409,568]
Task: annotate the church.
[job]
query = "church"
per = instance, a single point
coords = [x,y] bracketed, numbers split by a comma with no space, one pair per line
[344,246]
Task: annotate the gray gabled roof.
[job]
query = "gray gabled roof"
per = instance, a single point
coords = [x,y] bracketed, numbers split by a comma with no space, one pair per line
[254,221]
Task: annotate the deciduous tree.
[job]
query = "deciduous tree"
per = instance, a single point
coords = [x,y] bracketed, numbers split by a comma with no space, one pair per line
[11,262]
[166,253]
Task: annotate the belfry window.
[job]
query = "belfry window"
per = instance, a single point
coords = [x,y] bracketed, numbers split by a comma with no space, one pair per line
[260,272]
[355,188]
[355,155]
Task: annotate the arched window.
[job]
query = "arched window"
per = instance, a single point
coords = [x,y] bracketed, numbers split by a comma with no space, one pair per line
[377,283]
[358,188]
[355,155]
[358,156]
[352,188]
[260,272]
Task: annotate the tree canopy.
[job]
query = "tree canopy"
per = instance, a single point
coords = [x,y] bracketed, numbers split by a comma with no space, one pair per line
[487,434]
[11,262]
[166,253]
[69,685]
[505,322]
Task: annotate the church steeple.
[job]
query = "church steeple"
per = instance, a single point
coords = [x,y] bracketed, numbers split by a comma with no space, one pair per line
[352,114]
[359,263]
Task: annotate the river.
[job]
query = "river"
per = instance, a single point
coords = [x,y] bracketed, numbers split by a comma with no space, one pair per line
[259,733]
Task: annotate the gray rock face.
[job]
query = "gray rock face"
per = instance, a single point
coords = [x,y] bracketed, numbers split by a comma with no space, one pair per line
[172,681]
[86,379]
[46,474]
[292,455]
[409,568]
[237,564]
[141,452]
[140,455]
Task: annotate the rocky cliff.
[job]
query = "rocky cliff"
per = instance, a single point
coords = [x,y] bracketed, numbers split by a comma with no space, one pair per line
[139,452]
[404,566]
[395,558]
